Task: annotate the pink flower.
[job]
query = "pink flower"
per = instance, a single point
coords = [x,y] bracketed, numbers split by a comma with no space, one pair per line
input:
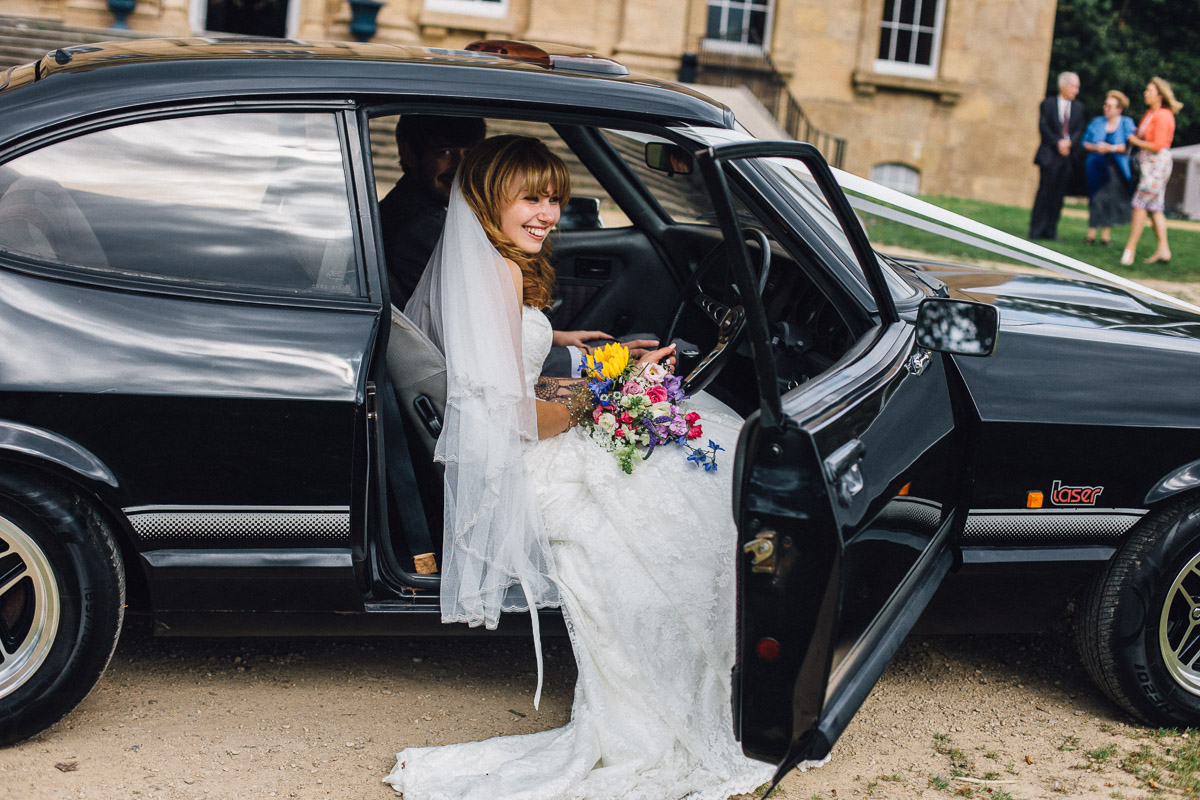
[695,432]
[596,412]
[633,387]
[625,417]
[619,433]
[692,417]
[656,394]
[654,373]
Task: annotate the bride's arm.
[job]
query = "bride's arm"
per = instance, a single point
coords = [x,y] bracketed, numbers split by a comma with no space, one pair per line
[553,411]
[553,416]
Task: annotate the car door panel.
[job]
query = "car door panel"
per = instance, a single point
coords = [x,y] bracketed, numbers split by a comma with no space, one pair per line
[900,428]
[844,501]
[610,280]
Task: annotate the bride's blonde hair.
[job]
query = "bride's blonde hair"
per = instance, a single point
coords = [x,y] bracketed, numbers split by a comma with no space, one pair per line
[488,175]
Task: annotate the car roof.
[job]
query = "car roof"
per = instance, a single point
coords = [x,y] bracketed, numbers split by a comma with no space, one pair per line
[77,82]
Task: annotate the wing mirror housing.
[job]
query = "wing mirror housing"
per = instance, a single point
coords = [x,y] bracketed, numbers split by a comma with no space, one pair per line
[960,327]
[669,158]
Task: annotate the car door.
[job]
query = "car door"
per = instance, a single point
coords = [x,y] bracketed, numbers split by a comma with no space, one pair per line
[188,290]
[845,486]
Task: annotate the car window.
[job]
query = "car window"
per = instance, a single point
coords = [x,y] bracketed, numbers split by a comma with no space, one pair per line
[588,196]
[798,186]
[249,200]
[683,196]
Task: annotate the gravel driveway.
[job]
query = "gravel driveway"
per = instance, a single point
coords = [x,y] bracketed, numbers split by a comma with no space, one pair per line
[1014,716]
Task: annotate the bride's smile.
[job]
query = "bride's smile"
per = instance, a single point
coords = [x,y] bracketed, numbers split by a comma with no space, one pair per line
[527,219]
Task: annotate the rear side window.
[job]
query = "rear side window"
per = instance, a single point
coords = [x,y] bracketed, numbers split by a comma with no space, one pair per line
[246,200]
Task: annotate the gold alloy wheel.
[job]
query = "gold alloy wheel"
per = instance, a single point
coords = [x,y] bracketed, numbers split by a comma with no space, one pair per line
[1179,628]
[29,607]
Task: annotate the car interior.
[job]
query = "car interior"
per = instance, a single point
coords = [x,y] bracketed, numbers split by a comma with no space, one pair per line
[645,254]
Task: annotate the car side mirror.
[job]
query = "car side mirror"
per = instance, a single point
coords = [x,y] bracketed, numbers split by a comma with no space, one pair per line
[960,327]
[669,158]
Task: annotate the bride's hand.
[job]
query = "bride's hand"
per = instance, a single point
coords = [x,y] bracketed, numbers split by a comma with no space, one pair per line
[578,339]
[663,355]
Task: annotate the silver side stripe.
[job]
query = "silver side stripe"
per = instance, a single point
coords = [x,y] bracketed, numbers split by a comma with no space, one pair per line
[240,524]
[1050,526]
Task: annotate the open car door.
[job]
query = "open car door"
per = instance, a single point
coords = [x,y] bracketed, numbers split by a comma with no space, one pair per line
[845,487]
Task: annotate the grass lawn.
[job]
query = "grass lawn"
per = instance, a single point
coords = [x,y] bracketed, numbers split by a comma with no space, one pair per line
[1184,238]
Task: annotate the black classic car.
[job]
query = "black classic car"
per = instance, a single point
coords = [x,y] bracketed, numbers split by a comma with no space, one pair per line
[197,414]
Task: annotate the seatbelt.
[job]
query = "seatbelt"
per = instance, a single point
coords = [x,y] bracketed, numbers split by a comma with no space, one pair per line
[403,482]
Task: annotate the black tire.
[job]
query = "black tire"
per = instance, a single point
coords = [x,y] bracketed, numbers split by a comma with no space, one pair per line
[1138,626]
[62,599]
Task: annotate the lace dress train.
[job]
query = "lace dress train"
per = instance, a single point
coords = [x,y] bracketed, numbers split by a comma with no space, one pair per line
[645,570]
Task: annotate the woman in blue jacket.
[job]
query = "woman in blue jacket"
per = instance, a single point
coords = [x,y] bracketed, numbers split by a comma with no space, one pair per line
[1108,175]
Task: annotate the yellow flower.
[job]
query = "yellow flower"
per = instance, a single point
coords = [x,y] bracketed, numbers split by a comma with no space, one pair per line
[608,361]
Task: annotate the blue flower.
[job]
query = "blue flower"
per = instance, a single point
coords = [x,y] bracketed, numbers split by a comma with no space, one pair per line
[714,446]
[709,466]
[697,457]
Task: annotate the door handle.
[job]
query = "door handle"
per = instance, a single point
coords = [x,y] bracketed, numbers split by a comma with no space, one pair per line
[843,470]
[593,268]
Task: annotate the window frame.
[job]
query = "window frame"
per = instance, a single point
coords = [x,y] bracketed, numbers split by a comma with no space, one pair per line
[744,47]
[887,66]
[493,9]
[346,127]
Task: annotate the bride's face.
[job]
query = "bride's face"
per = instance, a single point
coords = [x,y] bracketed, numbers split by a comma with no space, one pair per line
[528,217]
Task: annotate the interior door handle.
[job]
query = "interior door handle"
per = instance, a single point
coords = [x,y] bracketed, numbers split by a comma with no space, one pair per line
[843,470]
[593,268]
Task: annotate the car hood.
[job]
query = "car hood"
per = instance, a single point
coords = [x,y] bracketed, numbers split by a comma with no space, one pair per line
[1028,298]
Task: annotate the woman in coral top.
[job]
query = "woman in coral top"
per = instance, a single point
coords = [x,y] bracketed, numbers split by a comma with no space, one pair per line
[1153,140]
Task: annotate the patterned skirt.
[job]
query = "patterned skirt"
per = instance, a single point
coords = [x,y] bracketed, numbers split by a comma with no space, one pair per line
[1152,185]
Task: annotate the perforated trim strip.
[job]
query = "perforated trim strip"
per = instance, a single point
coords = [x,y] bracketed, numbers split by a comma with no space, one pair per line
[240,526]
[1099,526]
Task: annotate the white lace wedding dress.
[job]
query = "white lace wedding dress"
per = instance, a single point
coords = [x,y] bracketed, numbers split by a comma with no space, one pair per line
[645,567]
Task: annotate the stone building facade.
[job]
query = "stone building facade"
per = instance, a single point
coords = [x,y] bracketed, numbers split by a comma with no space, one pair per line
[936,96]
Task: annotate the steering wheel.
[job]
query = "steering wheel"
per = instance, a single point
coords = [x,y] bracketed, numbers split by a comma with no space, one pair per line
[730,320]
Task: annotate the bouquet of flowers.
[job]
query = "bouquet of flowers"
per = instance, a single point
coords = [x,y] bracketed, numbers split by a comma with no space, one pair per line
[630,409]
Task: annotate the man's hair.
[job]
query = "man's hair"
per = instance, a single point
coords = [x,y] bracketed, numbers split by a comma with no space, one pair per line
[1066,77]
[422,131]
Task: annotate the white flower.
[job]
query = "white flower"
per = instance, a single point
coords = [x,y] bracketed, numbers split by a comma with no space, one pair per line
[607,423]
[662,409]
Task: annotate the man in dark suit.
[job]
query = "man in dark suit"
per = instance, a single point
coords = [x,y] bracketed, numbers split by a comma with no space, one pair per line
[1060,123]
[414,211]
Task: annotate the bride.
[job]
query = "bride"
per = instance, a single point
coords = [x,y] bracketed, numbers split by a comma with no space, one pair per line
[537,515]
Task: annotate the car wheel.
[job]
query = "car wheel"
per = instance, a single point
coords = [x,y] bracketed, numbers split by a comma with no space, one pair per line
[62,598]
[1139,621]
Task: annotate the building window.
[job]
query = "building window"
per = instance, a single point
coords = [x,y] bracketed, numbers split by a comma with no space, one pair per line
[739,25]
[474,8]
[910,36]
[900,177]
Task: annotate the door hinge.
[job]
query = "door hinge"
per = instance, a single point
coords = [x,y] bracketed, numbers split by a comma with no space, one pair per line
[372,408]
